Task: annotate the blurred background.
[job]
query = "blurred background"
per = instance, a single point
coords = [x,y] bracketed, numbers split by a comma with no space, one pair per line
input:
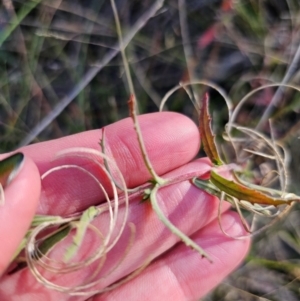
[61,73]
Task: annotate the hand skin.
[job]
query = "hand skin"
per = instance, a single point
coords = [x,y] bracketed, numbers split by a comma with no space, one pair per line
[177,273]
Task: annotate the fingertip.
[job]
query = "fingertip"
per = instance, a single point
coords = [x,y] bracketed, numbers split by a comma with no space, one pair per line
[21,200]
[198,276]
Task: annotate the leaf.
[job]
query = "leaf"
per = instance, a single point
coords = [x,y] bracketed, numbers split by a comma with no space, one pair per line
[52,240]
[207,186]
[245,193]
[210,188]
[207,136]
[82,225]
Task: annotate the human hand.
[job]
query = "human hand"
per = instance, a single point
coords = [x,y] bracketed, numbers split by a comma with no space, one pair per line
[177,273]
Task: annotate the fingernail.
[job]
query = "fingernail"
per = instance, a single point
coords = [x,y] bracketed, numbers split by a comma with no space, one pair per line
[10,167]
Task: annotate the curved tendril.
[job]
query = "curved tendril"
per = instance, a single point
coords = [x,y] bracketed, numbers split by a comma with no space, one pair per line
[32,251]
[199,82]
[270,144]
[246,97]
[86,151]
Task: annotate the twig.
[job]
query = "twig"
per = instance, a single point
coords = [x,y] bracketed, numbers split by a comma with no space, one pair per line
[132,108]
[91,73]
[122,48]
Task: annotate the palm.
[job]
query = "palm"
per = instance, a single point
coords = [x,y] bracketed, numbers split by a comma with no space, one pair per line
[178,272]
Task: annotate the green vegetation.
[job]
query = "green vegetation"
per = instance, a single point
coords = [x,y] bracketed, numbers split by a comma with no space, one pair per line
[61,73]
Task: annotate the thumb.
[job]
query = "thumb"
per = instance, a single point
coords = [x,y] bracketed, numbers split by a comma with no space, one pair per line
[21,181]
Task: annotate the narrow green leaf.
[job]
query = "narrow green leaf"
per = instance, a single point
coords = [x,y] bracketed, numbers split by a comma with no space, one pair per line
[207,186]
[245,193]
[16,21]
[20,248]
[211,189]
[52,240]
[54,237]
[207,136]
[44,247]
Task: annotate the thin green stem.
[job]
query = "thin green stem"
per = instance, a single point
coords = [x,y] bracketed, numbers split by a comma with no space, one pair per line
[132,107]
[189,242]
[122,48]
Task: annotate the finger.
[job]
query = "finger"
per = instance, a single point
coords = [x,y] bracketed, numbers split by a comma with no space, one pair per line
[171,140]
[188,208]
[181,274]
[21,200]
